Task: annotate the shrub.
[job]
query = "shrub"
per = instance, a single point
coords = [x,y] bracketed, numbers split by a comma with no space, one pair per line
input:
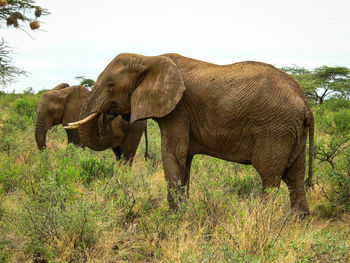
[5,255]
[6,143]
[22,113]
[93,168]
[333,150]
[336,104]
[26,107]
[335,184]
[54,216]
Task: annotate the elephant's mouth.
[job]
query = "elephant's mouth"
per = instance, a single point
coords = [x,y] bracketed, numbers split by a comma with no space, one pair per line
[112,112]
[126,117]
[95,131]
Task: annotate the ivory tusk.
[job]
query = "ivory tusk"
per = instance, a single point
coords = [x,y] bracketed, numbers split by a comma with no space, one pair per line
[70,127]
[88,118]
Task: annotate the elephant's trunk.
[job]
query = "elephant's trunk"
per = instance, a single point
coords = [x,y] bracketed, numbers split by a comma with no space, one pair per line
[95,138]
[40,136]
[90,134]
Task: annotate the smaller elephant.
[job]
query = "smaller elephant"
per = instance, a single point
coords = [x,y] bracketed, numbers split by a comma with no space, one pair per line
[62,105]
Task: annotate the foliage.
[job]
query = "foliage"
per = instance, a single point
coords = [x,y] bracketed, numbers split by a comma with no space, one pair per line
[93,168]
[333,119]
[322,82]
[18,14]
[333,80]
[7,70]
[87,83]
[22,113]
[26,107]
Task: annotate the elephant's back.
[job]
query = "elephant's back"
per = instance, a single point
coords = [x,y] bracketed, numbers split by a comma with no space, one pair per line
[276,80]
[80,90]
[246,94]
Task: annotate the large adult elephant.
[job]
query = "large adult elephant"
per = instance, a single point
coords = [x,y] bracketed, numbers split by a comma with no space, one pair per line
[62,105]
[247,112]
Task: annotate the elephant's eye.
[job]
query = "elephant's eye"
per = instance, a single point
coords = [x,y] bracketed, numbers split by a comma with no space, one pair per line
[110,85]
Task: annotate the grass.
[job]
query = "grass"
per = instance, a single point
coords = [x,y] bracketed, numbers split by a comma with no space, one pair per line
[67,204]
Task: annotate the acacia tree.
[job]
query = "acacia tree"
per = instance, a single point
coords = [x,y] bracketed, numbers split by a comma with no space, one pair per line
[19,14]
[332,81]
[87,83]
[322,82]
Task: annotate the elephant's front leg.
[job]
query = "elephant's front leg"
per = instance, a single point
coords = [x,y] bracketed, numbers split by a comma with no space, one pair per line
[176,162]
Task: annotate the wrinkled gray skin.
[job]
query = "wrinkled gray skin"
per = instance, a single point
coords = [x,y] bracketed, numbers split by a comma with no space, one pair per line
[247,112]
[62,105]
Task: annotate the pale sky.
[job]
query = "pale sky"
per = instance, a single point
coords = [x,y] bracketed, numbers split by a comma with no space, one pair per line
[80,37]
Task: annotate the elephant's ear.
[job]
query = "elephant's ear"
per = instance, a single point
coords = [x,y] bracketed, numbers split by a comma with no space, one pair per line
[72,100]
[61,86]
[158,90]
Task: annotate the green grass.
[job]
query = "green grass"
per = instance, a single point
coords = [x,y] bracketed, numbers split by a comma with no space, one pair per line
[67,204]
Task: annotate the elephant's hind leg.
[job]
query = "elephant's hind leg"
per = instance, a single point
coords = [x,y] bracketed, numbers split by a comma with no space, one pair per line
[294,178]
[270,158]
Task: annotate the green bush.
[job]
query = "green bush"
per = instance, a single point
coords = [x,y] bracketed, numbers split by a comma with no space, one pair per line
[335,185]
[333,122]
[6,143]
[336,104]
[54,212]
[21,113]
[333,117]
[93,168]
[26,107]
[342,122]
[5,254]
[10,176]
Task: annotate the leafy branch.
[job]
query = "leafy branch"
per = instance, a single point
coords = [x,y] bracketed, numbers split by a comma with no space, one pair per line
[16,13]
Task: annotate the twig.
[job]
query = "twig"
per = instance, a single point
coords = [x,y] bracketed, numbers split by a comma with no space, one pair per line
[323,191]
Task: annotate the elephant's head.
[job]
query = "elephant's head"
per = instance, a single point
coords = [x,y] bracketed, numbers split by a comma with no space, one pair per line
[61,86]
[60,105]
[134,86]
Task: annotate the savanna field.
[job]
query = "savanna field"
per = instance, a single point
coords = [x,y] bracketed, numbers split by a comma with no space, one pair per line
[68,204]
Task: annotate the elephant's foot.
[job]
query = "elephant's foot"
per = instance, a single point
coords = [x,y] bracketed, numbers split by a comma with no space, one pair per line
[298,203]
[118,153]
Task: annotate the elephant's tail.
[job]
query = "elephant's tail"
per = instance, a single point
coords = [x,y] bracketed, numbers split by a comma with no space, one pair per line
[311,149]
[146,143]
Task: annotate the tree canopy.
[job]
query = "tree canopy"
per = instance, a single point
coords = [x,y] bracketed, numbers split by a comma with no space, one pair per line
[87,83]
[322,82]
[18,14]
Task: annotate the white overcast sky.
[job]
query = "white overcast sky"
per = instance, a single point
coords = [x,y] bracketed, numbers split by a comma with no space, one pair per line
[80,37]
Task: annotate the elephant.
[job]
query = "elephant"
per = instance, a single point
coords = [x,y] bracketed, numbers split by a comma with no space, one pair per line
[247,112]
[62,105]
